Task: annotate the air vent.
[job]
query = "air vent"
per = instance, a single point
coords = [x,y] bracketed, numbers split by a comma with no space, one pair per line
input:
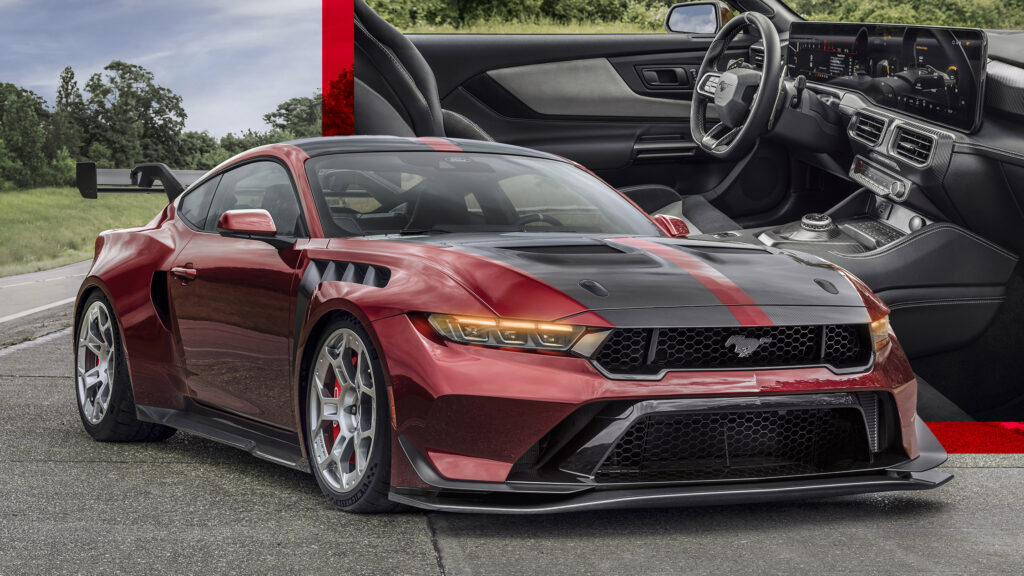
[869,129]
[913,146]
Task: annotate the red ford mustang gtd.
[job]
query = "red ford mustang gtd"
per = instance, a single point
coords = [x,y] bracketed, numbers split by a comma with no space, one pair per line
[470,326]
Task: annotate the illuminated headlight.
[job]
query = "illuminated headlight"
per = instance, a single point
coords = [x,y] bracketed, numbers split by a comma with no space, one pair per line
[506,333]
[880,332]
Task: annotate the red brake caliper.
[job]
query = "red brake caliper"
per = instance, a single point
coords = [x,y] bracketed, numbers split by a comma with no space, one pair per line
[352,457]
[335,429]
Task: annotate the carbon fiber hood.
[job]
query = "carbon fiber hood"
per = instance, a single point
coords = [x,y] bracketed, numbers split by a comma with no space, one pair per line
[660,281]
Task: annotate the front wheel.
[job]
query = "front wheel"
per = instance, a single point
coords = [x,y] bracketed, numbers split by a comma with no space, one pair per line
[347,430]
[102,384]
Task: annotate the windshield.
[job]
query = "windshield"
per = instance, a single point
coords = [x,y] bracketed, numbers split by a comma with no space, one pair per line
[437,192]
[991,14]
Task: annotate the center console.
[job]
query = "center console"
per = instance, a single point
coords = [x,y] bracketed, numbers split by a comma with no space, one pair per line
[868,223]
[943,283]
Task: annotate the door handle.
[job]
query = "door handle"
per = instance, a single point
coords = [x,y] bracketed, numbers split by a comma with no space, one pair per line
[185,274]
[664,76]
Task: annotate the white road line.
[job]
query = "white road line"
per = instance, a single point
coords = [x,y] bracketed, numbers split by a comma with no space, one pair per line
[40,281]
[30,311]
[31,343]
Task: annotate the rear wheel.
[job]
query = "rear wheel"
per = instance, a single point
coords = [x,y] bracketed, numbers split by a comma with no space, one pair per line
[102,384]
[347,431]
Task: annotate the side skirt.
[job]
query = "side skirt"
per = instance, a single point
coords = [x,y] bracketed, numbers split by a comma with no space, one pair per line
[261,441]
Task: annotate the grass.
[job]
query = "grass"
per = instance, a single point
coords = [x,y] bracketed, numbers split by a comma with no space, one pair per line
[48,227]
[539,27]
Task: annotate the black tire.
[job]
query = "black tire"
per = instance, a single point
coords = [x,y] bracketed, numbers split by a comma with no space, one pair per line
[118,422]
[370,494]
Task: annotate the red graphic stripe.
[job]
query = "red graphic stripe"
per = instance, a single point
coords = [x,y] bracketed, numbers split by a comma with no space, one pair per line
[336,69]
[440,144]
[980,437]
[747,312]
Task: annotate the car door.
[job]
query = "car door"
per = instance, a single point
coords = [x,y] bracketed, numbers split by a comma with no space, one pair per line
[617,103]
[233,300]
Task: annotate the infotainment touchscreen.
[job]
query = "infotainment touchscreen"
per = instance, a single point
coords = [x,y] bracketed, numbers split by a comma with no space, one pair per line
[934,73]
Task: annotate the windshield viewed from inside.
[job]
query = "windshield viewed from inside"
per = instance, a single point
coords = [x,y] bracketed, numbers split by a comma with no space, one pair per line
[990,14]
[365,194]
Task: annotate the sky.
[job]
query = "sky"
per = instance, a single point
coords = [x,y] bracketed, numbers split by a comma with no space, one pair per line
[232,61]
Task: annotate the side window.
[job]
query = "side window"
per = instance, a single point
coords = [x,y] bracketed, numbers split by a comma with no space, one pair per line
[195,205]
[259,185]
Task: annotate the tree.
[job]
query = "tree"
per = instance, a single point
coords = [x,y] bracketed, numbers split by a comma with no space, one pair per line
[302,116]
[21,132]
[200,151]
[67,122]
[132,117]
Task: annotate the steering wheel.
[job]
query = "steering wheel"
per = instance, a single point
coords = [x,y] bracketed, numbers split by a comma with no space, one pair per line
[744,97]
[538,217]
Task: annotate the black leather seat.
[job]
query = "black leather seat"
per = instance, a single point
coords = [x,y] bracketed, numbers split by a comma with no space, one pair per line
[396,94]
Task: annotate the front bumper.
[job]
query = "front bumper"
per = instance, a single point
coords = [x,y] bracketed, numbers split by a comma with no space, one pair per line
[517,498]
[465,416]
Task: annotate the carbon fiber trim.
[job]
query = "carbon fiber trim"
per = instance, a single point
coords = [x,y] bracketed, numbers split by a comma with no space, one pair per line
[1005,91]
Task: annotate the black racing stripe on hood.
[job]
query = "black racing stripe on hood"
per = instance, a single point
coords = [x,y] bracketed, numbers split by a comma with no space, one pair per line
[635,279]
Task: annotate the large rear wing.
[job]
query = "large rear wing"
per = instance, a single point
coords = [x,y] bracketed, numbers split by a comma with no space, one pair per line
[141,179]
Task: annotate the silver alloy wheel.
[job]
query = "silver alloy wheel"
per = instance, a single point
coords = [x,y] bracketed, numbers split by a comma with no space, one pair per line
[342,410]
[95,366]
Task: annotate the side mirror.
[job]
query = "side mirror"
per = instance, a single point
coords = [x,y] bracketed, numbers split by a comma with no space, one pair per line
[694,18]
[247,223]
[673,226]
[255,224]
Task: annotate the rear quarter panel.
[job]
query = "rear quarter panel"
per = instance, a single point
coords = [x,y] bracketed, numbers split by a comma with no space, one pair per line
[123,269]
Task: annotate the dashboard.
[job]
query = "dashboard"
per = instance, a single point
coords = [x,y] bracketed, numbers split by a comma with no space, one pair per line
[933,73]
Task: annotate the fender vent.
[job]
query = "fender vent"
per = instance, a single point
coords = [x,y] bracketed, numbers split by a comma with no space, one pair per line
[158,294]
[869,129]
[913,146]
[365,274]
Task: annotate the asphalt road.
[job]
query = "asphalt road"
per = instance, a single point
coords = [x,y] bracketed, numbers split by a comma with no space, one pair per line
[35,304]
[190,506]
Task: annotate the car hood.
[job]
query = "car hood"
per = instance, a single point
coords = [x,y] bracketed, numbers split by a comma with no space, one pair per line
[632,281]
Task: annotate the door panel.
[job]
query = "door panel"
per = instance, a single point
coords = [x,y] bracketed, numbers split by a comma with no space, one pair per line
[590,87]
[235,318]
[618,104]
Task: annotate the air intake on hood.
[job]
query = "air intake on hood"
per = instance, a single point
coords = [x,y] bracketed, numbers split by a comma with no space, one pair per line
[566,249]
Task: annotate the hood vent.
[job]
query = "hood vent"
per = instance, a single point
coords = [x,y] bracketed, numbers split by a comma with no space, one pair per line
[913,146]
[567,249]
[869,129]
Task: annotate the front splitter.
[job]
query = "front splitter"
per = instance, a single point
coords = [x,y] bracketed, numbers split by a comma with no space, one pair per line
[506,498]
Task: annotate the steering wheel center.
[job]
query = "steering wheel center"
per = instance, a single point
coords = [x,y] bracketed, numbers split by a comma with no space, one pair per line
[735,95]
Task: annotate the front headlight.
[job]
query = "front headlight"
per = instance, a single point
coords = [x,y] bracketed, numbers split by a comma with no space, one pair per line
[880,332]
[506,333]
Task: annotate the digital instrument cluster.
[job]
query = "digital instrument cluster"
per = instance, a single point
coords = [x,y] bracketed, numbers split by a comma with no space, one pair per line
[930,72]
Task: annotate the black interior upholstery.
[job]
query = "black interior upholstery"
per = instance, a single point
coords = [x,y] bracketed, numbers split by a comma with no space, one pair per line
[396,94]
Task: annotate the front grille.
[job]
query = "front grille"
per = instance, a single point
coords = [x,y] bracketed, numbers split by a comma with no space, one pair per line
[640,351]
[738,445]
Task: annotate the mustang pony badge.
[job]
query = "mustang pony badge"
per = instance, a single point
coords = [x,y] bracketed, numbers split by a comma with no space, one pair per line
[745,346]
